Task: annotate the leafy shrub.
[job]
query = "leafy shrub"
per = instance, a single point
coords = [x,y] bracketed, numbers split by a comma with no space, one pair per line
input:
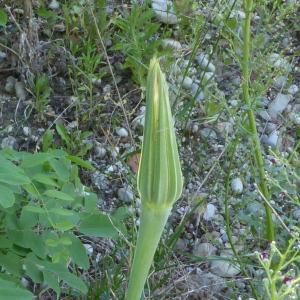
[42,204]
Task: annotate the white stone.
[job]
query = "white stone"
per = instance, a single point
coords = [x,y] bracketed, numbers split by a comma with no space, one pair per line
[225,268]
[279,104]
[122,132]
[3,56]
[272,139]
[293,89]
[197,92]
[204,249]
[209,212]
[204,62]
[10,84]
[26,131]
[9,142]
[187,82]
[125,195]
[171,43]
[54,5]
[264,115]
[89,249]
[100,151]
[295,117]
[279,62]
[280,81]
[237,185]
[20,90]
[164,11]
[208,133]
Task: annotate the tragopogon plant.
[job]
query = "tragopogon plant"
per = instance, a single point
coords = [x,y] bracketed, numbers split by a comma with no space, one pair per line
[159,178]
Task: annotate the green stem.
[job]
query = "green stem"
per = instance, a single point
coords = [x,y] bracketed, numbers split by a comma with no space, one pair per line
[153,221]
[270,234]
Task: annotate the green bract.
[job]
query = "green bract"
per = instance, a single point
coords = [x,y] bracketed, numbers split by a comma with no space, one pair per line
[159,177]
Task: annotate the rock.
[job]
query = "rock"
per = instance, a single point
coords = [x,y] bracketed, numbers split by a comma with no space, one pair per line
[271,127]
[122,132]
[181,245]
[237,185]
[296,214]
[89,249]
[295,118]
[279,62]
[201,283]
[3,56]
[278,105]
[187,82]
[204,63]
[197,92]
[204,249]
[125,195]
[20,90]
[10,85]
[26,131]
[164,11]
[209,212]
[9,143]
[280,81]
[225,268]
[208,133]
[54,5]
[234,102]
[100,151]
[272,139]
[293,89]
[225,128]
[170,43]
[264,115]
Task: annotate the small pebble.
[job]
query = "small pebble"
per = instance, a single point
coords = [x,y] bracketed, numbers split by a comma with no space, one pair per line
[164,11]
[209,212]
[280,82]
[204,63]
[204,249]
[89,249]
[20,90]
[54,5]
[9,143]
[293,89]
[279,104]
[100,151]
[237,185]
[26,131]
[10,85]
[125,195]
[187,82]
[122,132]
[170,43]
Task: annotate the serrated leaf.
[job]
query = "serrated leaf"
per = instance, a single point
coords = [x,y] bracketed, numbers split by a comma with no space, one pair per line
[34,209]
[63,225]
[7,197]
[61,211]
[78,252]
[58,195]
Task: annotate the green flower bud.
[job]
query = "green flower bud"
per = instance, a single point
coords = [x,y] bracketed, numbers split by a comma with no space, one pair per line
[159,178]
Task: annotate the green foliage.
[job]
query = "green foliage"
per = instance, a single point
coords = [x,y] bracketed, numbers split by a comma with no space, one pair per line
[74,142]
[42,201]
[136,40]
[281,271]
[42,92]
[3,18]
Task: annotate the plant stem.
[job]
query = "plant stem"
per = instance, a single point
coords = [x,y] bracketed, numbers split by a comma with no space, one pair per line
[153,221]
[270,234]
